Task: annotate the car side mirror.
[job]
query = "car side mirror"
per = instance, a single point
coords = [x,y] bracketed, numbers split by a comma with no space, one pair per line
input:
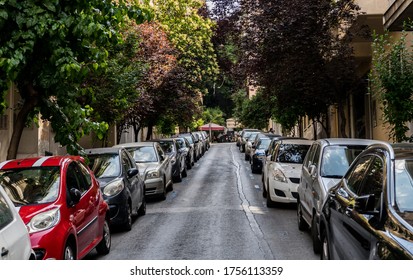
[75,196]
[366,204]
[132,172]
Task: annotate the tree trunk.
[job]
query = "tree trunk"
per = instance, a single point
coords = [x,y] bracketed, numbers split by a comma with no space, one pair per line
[136,129]
[31,100]
[342,120]
[149,134]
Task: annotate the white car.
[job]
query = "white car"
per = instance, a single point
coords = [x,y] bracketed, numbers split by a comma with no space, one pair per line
[14,237]
[284,171]
[325,164]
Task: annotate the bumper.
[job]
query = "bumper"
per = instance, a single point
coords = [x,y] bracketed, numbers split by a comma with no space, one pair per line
[284,192]
[154,186]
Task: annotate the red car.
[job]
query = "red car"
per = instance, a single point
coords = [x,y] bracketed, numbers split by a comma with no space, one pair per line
[61,204]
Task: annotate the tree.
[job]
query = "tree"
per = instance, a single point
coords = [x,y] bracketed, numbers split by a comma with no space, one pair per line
[391,79]
[299,52]
[47,49]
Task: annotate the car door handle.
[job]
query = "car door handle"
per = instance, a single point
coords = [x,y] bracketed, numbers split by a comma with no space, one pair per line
[4,252]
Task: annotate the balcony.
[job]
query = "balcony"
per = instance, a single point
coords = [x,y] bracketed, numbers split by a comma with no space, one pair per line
[397,13]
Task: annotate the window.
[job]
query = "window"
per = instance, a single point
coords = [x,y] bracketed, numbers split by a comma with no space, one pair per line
[6,216]
[127,164]
[356,176]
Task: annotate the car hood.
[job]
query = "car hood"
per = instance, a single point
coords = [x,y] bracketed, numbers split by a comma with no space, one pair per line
[328,183]
[27,212]
[104,181]
[291,170]
[146,166]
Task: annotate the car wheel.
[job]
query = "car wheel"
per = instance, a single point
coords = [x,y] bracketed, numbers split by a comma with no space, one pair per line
[264,190]
[302,225]
[163,194]
[270,203]
[246,157]
[103,248]
[69,253]
[325,254]
[314,235]
[128,223]
[142,209]
[184,173]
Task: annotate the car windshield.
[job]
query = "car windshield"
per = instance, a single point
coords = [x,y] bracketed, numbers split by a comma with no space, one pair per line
[404,185]
[190,140]
[292,153]
[143,154]
[105,165]
[263,144]
[337,159]
[167,146]
[35,185]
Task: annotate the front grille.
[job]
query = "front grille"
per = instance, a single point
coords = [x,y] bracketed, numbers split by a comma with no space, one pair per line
[295,180]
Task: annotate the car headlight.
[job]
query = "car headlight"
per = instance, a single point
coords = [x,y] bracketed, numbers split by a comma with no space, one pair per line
[152,174]
[279,176]
[113,188]
[44,220]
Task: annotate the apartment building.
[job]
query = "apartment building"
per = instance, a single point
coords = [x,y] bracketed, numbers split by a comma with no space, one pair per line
[363,113]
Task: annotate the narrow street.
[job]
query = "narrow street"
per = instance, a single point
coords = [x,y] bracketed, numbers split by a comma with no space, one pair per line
[216,213]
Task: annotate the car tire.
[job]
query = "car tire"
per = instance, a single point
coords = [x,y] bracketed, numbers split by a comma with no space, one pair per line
[264,189]
[325,246]
[163,194]
[270,203]
[69,251]
[103,248]
[127,226]
[184,172]
[142,209]
[302,225]
[314,234]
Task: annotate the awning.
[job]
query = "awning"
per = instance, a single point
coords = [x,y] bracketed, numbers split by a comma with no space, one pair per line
[212,127]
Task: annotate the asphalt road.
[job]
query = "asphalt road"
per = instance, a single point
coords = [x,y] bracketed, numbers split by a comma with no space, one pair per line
[216,213]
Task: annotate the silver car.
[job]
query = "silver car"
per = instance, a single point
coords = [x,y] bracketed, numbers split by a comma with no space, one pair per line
[325,164]
[154,166]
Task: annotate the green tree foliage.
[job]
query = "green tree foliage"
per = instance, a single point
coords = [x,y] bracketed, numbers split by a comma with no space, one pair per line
[391,79]
[253,112]
[213,115]
[47,48]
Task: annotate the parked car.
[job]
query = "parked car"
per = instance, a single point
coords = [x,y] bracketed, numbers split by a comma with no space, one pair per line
[178,157]
[368,214]
[259,154]
[122,187]
[14,237]
[257,138]
[284,171]
[194,144]
[154,166]
[325,164]
[61,204]
[184,144]
[245,133]
[248,144]
[269,159]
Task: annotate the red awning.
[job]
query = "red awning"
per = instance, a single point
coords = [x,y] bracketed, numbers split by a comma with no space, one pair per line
[212,126]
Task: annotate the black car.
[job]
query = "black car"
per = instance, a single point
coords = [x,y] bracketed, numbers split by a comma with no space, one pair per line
[120,183]
[184,144]
[369,213]
[259,154]
[177,156]
[194,144]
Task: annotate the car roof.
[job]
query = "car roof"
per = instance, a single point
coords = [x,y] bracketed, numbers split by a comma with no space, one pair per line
[347,141]
[296,141]
[38,161]
[109,150]
[137,144]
